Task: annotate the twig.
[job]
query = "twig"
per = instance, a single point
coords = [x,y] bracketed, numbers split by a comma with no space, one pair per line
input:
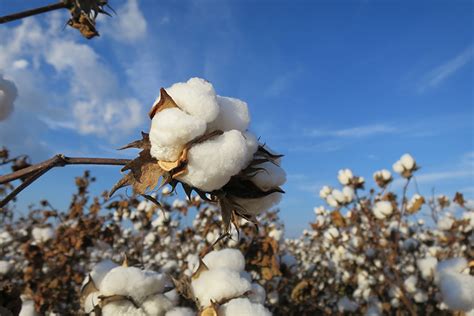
[27,13]
[33,172]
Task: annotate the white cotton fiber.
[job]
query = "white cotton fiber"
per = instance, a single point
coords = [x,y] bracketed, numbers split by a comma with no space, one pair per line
[91,301]
[157,305]
[257,206]
[180,311]
[243,306]
[252,145]
[5,267]
[172,127]
[218,284]
[166,153]
[212,163]
[28,308]
[427,267]
[233,114]
[272,176]
[42,234]
[8,94]
[451,265]
[457,290]
[100,270]
[122,308]
[131,281]
[196,97]
[226,258]
[382,209]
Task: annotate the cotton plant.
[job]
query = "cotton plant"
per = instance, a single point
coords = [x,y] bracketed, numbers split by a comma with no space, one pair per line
[201,140]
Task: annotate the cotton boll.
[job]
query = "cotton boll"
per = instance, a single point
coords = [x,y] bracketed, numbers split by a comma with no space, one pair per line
[172,127]
[332,201]
[410,284]
[226,258]
[398,167]
[131,281]
[407,161]
[5,267]
[42,234]
[180,311]
[272,176]
[252,144]
[27,308]
[166,153]
[325,192]
[457,290]
[197,97]
[260,205]
[427,267]
[8,94]
[420,296]
[233,114]
[382,209]
[242,306]
[212,163]
[445,223]
[349,194]
[338,196]
[218,284]
[344,176]
[122,308]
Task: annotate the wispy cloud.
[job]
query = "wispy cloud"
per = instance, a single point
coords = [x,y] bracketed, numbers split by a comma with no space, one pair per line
[354,132]
[444,71]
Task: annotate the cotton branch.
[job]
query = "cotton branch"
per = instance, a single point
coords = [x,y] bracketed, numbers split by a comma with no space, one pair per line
[32,12]
[32,173]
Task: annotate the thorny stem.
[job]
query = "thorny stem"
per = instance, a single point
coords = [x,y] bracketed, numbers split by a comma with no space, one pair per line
[36,11]
[33,172]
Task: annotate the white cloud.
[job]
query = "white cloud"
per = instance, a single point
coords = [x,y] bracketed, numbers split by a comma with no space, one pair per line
[8,94]
[64,83]
[441,73]
[129,25]
[354,132]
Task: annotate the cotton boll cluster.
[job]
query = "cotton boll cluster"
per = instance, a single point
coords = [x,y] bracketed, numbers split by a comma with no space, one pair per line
[405,166]
[124,290]
[8,94]
[221,284]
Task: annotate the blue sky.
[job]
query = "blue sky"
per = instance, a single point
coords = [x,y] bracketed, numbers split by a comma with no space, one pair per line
[331,84]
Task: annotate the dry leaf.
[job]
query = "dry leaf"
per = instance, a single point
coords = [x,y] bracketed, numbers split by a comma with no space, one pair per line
[165,102]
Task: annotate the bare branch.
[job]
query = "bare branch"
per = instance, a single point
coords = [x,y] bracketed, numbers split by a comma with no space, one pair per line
[27,13]
[33,172]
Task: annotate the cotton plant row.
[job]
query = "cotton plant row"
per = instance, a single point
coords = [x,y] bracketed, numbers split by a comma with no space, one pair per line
[201,140]
[367,254]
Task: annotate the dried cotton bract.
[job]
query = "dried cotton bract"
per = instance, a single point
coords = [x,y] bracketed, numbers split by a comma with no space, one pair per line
[200,140]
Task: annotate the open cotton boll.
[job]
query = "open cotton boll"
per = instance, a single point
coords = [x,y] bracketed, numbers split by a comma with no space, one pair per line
[197,97]
[344,176]
[27,308]
[42,234]
[233,114]
[100,270]
[172,127]
[218,284]
[257,206]
[212,163]
[5,267]
[382,209]
[226,258]
[407,161]
[180,311]
[131,281]
[457,290]
[122,308]
[242,306]
[272,176]
[427,267]
[8,94]
[445,223]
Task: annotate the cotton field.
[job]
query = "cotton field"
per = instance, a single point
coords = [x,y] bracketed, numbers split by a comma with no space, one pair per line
[364,252]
